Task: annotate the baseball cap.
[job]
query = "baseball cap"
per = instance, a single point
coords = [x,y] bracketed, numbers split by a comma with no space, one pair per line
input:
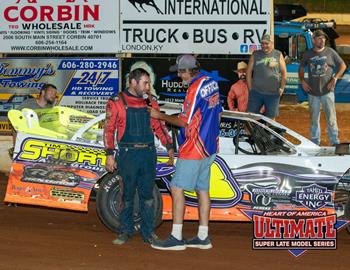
[319,33]
[266,38]
[185,61]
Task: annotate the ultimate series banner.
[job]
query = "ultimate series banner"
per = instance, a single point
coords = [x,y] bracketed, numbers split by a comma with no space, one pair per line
[82,84]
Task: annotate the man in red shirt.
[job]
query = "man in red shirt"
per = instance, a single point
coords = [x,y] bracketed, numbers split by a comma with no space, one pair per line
[237,98]
[135,161]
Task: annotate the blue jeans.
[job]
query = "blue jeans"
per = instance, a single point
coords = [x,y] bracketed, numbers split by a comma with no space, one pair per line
[257,100]
[328,106]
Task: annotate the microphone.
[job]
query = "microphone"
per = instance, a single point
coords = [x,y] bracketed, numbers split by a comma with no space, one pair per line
[146,98]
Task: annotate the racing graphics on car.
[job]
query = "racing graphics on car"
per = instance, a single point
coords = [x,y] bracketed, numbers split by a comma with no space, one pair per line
[61,172]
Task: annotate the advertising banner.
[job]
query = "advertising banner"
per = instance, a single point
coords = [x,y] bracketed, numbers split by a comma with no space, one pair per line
[169,87]
[82,84]
[194,26]
[59,26]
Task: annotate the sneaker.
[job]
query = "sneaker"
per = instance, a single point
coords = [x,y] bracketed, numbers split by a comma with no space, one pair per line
[198,243]
[169,244]
[121,239]
[153,238]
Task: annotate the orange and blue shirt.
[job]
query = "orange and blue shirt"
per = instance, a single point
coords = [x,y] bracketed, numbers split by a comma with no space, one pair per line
[201,111]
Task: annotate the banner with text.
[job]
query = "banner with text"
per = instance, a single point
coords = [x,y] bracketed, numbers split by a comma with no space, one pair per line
[169,87]
[193,26]
[82,84]
[59,26]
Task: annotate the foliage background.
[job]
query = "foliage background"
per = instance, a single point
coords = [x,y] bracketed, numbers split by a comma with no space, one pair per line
[325,6]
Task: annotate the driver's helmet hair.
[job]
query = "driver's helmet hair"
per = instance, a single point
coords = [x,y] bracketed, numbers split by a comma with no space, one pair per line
[146,67]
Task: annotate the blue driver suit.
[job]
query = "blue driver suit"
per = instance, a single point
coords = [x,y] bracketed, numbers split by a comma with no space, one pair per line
[136,161]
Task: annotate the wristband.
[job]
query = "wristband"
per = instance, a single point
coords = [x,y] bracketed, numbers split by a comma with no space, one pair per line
[169,146]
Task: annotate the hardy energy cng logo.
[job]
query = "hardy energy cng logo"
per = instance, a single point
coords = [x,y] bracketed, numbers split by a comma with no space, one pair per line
[314,197]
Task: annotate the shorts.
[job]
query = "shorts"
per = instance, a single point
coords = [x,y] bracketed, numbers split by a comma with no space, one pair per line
[193,175]
[257,100]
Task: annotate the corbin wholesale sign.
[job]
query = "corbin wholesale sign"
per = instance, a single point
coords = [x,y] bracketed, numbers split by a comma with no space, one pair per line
[60,26]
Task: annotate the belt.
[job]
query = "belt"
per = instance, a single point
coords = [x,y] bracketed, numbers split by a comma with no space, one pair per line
[136,145]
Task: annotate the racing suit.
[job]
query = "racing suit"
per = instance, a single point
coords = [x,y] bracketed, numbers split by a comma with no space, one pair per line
[136,156]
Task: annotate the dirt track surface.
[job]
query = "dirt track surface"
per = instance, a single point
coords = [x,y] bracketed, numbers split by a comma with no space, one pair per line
[296,117]
[41,238]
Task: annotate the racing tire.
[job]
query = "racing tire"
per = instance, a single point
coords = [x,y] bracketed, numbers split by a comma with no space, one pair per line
[108,204]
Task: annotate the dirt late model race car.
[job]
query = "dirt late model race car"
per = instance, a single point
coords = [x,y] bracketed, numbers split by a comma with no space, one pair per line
[59,160]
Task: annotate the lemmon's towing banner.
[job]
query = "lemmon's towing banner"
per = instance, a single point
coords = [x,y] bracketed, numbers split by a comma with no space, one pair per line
[193,26]
[82,84]
[60,26]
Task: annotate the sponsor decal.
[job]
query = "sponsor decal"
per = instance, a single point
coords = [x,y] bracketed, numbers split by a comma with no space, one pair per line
[313,197]
[27,189]
[43,175]
[78,156]
[224,190]
[266,196]
[66,194]
[297,230]
[294,230]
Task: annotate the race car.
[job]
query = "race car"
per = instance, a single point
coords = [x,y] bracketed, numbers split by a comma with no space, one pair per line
[262,165]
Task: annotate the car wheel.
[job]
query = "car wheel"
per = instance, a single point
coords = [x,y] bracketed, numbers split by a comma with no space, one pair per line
[109,202]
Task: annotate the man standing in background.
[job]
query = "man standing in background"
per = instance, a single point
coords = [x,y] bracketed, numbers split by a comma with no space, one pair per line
[267,84]
[325,67]
[237,98]
[46,99]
